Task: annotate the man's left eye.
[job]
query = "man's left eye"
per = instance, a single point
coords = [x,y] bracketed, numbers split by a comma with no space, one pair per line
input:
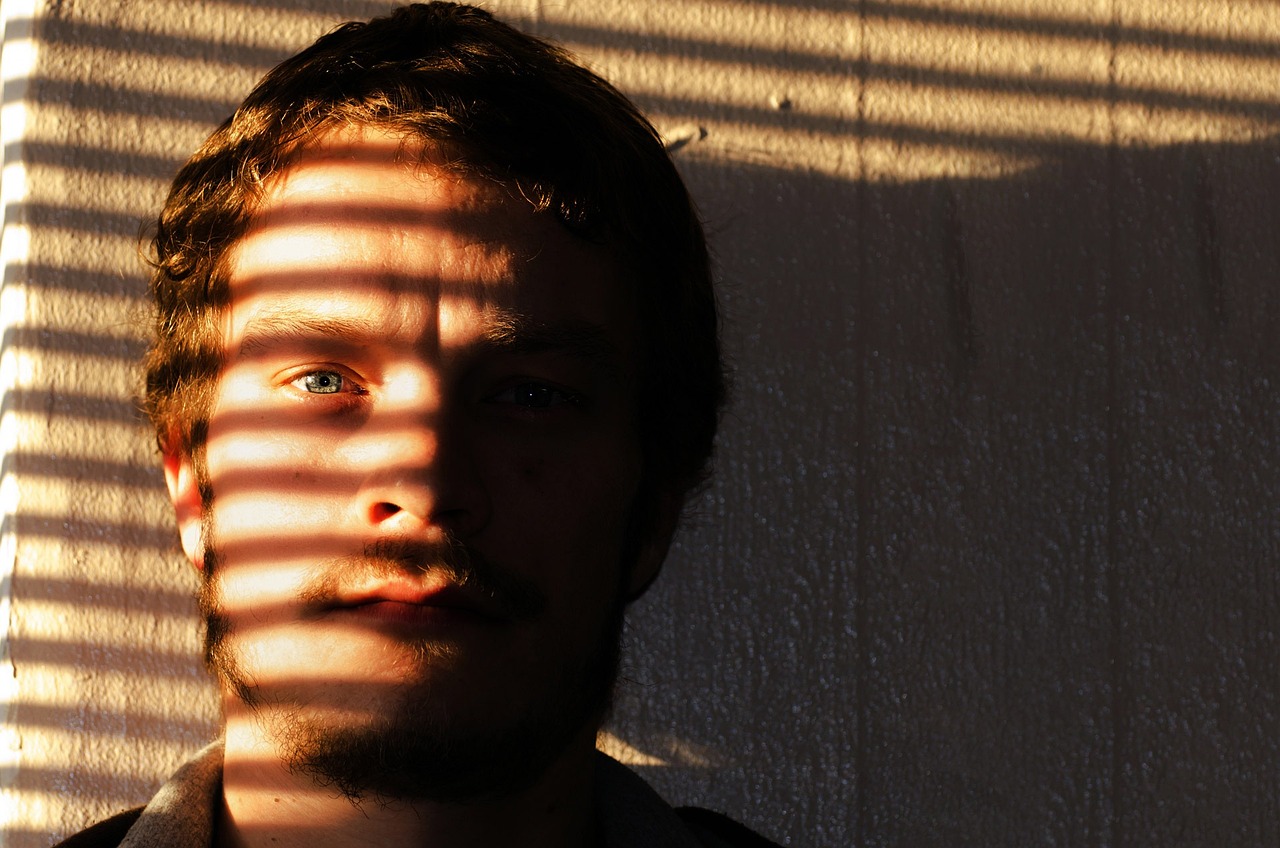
[534,396]
[321,382]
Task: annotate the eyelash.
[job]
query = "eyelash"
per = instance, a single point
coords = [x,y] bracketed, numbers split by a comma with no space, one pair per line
[523,390]
[343,380]
[529,396]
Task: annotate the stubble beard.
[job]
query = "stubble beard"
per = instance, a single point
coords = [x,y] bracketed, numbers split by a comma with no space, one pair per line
[415,750]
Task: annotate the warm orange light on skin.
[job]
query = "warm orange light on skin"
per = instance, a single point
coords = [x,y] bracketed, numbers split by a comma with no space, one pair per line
[432,303]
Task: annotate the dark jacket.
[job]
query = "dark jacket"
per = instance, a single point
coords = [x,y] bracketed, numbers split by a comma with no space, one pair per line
[630,813]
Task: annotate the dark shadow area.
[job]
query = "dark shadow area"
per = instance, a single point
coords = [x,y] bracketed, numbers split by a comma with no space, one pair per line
[84,471]
[69,342]
[68,155]
[60,402]
[131,537]
[103,594]
[1016,440]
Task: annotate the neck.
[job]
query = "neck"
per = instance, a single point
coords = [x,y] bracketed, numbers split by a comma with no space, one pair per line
[266,805]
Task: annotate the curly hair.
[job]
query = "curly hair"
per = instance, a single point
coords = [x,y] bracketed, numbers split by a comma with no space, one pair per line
[509,108]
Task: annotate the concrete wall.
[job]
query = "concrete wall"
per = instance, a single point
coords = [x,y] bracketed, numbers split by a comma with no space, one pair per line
[991,554]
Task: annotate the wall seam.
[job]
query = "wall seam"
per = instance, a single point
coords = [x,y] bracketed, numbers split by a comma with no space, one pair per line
[1113,577]
[862,505]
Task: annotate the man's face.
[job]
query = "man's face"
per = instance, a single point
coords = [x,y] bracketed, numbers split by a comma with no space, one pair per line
[423,463]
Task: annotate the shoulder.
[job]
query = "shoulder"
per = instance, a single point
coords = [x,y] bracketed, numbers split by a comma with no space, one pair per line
[716,830]
[104,834]
[632,815]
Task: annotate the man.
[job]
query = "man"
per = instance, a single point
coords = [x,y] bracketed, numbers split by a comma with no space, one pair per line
[436,364]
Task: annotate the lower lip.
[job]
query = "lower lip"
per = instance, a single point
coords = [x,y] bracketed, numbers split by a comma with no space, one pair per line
[411,616]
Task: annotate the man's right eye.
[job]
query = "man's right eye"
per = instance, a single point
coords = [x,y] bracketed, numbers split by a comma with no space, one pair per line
[321,382]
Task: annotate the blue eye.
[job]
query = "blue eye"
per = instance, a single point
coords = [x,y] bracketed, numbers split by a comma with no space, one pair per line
[320,382]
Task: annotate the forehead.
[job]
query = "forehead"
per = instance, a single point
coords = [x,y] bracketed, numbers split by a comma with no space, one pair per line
[358,226]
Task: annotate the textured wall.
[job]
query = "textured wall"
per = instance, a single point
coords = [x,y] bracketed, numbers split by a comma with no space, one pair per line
[990,557]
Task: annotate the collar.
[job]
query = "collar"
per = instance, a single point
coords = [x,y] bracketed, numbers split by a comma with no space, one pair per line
[181,815]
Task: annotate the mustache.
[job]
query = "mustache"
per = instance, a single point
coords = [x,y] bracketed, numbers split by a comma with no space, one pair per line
[512,596]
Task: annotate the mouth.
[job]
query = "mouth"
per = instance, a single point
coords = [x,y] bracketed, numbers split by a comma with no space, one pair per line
[408,604]
[413,616]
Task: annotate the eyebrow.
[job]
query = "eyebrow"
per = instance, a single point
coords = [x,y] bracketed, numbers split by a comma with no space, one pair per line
[288,326]
[517,334]
[509,332]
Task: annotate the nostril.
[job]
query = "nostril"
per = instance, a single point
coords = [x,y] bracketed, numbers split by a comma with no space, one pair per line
[383,510]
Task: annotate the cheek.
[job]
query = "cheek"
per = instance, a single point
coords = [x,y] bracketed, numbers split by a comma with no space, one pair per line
[531,470]
[564,514]
[276,509]
[256,594]
[262,463]
[264,487]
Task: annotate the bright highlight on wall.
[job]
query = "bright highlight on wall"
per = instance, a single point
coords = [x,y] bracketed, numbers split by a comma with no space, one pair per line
[17,65]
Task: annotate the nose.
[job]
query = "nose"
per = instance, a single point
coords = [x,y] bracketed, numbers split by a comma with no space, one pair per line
[422,479]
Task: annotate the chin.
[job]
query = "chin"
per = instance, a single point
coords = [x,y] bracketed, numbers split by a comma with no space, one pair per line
[430,736]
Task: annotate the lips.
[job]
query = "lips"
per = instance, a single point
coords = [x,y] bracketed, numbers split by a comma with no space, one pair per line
[394,613]
[433,601]
[395,580]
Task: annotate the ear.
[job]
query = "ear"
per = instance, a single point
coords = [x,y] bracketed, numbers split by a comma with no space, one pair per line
[653,552]
[184,491]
